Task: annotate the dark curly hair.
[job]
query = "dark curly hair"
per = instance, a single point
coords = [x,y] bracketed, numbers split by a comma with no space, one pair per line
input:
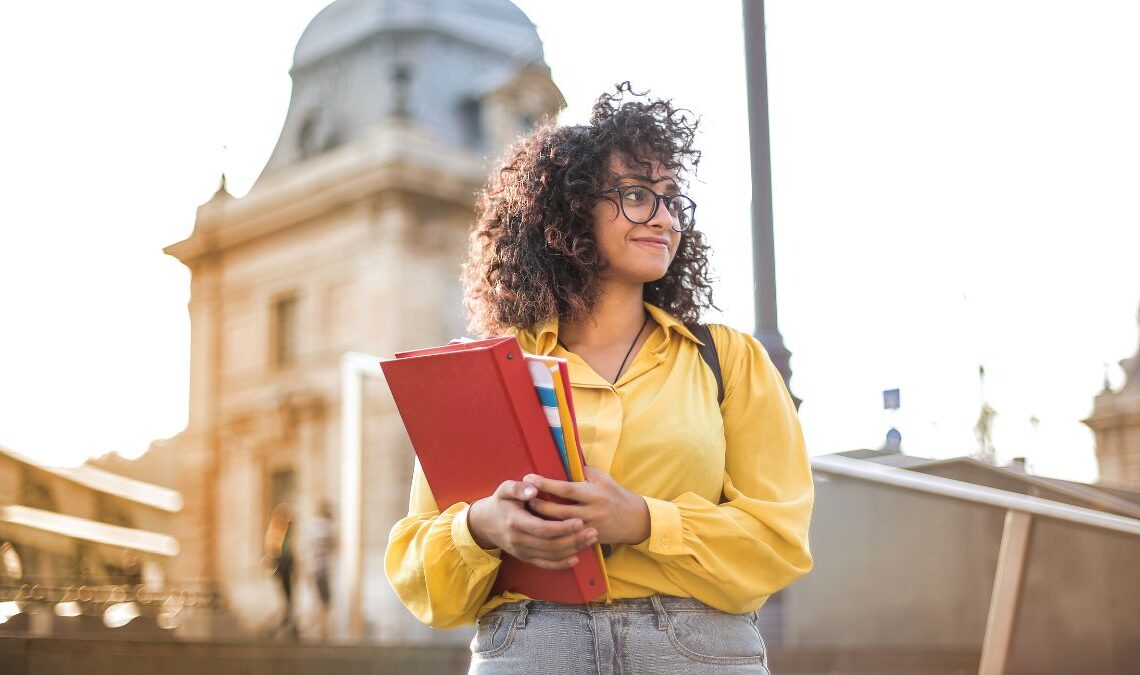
[532,254]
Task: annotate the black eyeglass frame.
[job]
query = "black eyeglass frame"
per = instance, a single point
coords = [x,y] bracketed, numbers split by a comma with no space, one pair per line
[657,199]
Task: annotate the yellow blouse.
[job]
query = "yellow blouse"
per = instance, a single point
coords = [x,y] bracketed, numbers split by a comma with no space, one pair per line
[729,491]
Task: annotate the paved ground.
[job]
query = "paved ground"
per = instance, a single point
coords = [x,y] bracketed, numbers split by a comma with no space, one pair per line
[55,656]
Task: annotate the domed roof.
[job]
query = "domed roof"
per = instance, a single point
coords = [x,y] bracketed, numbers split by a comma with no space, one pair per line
[495,24]
[427,63]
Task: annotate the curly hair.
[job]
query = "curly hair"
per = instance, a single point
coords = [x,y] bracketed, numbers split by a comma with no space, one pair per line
[532,253]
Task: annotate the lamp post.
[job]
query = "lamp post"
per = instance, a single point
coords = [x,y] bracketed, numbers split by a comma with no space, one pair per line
[763,248]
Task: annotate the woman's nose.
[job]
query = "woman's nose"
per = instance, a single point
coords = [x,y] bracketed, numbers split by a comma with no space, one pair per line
[661,218]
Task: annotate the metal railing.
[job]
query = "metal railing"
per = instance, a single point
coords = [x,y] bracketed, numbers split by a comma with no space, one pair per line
[118,604]
[1012,556]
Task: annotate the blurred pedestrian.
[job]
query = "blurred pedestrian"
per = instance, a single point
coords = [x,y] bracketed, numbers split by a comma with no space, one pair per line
[322,544]
[279,550]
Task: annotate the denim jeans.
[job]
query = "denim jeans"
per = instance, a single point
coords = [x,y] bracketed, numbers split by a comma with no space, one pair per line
[653,636]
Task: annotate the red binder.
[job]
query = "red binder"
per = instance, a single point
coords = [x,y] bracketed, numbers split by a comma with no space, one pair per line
[475,420]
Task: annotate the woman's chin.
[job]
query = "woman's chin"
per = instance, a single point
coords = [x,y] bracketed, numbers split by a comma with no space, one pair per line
[646,274]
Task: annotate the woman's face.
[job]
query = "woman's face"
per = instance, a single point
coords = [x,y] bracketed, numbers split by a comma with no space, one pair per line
[636,253]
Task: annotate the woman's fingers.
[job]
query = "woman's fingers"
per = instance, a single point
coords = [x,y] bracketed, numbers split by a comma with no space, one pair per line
[552,539]
[549,509]
[553,549]
[555,565]
[532,537]
[574,491]
[530,550]
[573,531]
[525,521]
[515,489]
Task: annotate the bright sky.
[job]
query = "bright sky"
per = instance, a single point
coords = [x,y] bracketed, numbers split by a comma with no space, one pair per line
[955,184]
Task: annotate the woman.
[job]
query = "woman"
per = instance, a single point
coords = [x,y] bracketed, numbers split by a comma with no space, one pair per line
[585,249]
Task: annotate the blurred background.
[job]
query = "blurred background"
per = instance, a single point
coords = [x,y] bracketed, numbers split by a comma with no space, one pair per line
[207,205]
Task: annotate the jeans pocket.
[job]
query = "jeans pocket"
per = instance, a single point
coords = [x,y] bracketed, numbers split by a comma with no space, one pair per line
[496,631]
[716,637]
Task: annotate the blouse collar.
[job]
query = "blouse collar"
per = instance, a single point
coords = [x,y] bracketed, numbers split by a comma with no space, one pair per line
[546,334]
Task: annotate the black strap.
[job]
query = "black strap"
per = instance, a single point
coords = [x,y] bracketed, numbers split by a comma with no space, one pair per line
[708,353]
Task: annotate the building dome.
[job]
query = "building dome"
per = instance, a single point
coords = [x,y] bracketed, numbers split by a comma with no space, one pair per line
[494,24]
[428,63]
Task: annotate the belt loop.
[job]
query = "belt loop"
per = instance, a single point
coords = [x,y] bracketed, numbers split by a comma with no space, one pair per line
[659,610]
[520,620]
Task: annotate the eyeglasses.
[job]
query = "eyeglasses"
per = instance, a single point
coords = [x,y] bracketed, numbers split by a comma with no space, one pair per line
[639,205]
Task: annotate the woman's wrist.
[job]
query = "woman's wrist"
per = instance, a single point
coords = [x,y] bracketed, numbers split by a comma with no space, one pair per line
[475,525]
[641,523]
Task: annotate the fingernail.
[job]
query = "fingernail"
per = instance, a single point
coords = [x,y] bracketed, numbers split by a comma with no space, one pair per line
[591,533]
[572,561]
[528,491]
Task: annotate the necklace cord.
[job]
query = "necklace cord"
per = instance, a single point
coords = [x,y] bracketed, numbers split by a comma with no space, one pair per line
[628,352]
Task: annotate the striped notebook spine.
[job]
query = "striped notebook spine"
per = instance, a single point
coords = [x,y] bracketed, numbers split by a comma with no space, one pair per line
[544,385]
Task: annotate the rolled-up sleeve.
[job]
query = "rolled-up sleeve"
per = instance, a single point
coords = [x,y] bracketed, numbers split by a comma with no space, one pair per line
[733,554]
[434,564]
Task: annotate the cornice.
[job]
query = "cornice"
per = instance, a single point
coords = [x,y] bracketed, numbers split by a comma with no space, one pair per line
[392,159]
[1101,420]
[94,478]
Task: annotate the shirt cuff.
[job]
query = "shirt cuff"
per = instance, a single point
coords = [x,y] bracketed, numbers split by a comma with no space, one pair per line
[474,555]
[664,528]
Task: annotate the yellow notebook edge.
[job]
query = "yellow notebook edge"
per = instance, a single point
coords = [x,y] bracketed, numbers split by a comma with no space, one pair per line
[569,429]
[577,473]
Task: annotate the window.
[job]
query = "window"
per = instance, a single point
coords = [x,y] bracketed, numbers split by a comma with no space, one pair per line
[282,486]
[471,117]
[35,492]
[111,511]
[285,331]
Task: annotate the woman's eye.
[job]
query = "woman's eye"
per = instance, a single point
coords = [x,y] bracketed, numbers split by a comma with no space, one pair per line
[636,195]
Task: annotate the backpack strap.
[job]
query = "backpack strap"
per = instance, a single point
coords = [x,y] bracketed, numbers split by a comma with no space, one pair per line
[709,355]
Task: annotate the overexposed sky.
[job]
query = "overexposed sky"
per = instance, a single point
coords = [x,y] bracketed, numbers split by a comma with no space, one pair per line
[955,184]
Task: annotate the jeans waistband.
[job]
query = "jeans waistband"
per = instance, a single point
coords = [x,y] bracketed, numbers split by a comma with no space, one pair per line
[653,603]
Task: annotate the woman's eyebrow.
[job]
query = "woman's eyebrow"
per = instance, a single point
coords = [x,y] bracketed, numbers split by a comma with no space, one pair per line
[649,179]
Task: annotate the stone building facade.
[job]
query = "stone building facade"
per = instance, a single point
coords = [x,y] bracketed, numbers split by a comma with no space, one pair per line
[350,241]
[1116,423]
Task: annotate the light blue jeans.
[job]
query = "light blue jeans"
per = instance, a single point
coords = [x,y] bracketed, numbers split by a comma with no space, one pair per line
[653,636]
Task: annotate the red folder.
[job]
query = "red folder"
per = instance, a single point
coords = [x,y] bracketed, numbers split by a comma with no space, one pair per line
[474,419]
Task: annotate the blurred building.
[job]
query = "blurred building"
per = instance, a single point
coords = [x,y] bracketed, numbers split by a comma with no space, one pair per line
[76,541]
[1116,422]
[350,241]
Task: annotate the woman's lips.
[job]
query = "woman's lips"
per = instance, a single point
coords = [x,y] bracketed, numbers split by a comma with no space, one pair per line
[655,243]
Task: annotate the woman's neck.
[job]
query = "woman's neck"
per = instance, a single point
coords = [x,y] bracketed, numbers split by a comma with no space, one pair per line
[618,314]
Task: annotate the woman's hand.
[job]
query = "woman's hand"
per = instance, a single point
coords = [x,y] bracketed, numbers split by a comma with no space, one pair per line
[619,515]
[502,521]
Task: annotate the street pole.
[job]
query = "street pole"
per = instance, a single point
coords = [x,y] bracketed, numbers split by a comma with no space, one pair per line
[763,247]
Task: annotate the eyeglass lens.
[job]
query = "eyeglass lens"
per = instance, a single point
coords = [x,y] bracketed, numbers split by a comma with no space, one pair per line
[640,204]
